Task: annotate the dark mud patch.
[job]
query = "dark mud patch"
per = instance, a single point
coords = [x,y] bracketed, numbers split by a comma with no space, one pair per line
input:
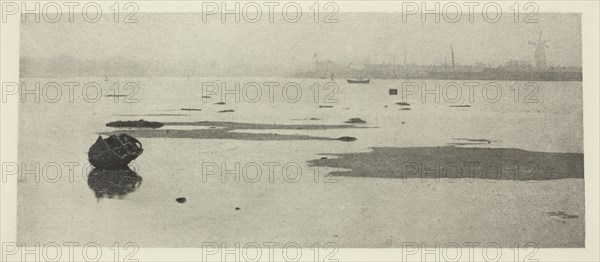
[561,214]
[470,141]
[235,125]
[311,119]
[156,115]
[355,121]
[464,144]
[456,162]
[212,134]
[222,130]
[135,124]
[474,139]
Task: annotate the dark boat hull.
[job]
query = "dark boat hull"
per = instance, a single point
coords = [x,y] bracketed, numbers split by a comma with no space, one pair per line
[102,156]
[359,81]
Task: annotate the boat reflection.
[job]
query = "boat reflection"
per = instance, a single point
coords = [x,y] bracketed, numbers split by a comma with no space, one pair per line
[113,183]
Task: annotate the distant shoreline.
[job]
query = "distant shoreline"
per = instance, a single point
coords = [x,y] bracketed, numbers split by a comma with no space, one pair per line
[314,78]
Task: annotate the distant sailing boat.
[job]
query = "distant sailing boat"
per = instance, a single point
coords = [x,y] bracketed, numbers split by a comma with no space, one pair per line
[358,80]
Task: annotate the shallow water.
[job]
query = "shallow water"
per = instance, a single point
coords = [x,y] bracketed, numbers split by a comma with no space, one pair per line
[360,212]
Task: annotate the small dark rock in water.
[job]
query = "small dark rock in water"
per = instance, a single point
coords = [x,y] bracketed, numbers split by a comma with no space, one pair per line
[325,106]
[191,109]
[406,108]
[461,106]
[227,111]
[181,200]
[347,138]
[356,121]
[403,104]
[237,208]
[220,103]
[139,124]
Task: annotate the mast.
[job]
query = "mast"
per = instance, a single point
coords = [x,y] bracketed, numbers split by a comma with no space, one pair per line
[404,56]
[445,64]
[393,73]
[452,52]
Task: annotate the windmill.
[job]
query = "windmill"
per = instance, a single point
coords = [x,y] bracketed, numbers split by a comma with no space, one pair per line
[540,52]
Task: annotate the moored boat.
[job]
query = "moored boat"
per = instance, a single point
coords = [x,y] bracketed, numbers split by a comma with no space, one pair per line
[114,152]
[359,81]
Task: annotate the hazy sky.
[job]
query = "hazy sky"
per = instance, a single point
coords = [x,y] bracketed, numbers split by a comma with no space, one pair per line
[177,39]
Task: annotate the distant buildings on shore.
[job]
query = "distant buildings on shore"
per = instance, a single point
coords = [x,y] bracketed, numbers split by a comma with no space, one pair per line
[512,70]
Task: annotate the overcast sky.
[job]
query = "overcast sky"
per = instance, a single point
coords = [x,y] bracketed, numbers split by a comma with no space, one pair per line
[178,39]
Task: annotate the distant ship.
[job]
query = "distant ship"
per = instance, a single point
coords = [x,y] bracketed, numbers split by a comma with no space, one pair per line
[359,81]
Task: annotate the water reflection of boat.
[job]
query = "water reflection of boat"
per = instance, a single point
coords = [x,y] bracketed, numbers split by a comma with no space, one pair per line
[113,183]
[359,81]
[114,152]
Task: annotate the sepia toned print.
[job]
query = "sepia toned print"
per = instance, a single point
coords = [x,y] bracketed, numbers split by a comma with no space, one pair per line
[242,124]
